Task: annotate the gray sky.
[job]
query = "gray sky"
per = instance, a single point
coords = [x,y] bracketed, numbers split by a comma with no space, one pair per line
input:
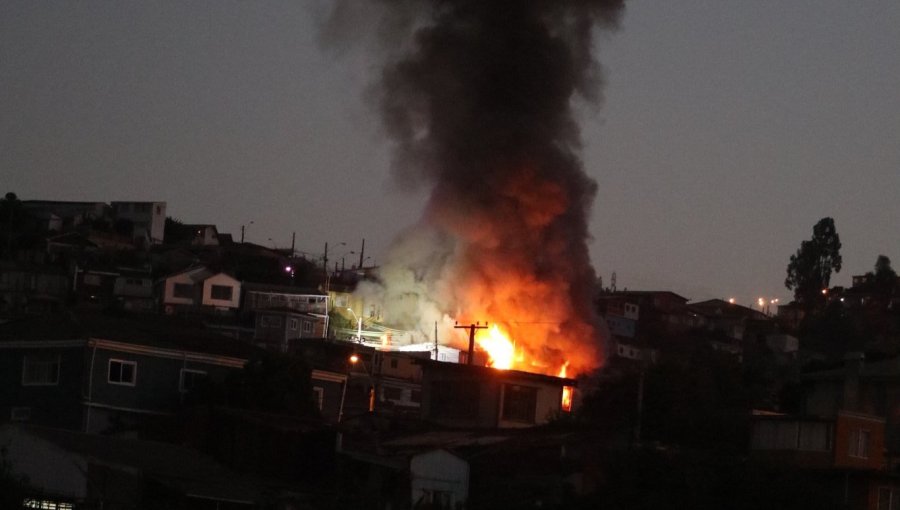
[729,128]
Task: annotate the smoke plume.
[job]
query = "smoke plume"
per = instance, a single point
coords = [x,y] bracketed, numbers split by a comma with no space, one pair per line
[477,97]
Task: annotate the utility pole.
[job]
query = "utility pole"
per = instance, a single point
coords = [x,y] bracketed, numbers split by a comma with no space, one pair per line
[362,250]
[435,342]
[472,328]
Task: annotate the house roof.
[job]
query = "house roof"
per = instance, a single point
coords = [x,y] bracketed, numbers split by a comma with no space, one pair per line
[175,466]
[281,289]
[154,331]
[483,372]
[644,293]
[722,308]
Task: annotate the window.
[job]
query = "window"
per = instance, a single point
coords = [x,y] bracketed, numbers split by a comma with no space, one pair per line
[183,290]
[293,324]
[392,393]
[47,504]
[190,379]
[40,370]
[221,292]
[318,396]
[307,327]
[888,498]
[122,372]
[859,443]
[519,403]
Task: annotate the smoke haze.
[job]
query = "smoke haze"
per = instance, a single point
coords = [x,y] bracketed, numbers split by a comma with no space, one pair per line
[476,96]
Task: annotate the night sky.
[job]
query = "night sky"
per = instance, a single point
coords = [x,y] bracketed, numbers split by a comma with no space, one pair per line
[728,129]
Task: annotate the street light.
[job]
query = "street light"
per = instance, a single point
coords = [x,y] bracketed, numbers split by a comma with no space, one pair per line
[358,325]
[242,231]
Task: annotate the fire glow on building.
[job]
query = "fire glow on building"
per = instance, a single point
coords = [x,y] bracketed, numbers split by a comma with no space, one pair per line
[477,98]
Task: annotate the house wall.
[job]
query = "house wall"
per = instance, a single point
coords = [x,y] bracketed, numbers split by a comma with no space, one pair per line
[442,472]
[331,385]
[845,427]
[169,293]
[547,405]
[157,382]
[225,280]
[57,405]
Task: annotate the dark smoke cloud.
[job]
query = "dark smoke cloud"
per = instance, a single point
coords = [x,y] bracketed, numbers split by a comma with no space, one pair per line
[477,96]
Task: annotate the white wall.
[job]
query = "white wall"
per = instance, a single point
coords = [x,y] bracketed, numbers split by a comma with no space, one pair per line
[439,470]
[224,280]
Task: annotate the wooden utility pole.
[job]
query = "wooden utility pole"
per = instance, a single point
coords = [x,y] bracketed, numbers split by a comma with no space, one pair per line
[472,328]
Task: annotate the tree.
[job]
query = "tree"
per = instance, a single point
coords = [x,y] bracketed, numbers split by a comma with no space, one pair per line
[809,271]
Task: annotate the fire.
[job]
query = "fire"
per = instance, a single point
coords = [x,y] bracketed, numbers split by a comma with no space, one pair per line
[500,349]
[503,354]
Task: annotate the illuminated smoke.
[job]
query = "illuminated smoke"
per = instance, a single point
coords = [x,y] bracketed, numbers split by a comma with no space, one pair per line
[476,95]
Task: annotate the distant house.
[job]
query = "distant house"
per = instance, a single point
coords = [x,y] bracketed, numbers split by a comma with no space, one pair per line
[199,289]
[27,288]
[261,296]
[148,218]
[95,373]
[277,328]
[473,396]
[203,235]
[133,291]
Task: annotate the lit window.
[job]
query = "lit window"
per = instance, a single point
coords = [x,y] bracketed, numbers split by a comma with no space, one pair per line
[40,370]
[122,372]
[567,393]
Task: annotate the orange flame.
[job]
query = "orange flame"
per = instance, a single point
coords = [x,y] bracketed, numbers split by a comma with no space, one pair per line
[500,349]
[562,370]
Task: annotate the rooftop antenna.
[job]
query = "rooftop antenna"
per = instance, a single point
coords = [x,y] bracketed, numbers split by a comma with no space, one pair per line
[612,281]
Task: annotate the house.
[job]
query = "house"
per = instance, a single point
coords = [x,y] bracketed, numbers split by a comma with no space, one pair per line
[98,373]
[472,396]
[438,479]
[28,288]
[869,387]
[846,452]
[148,218]
[200,289]
[277,328]
[260,296]
[133,291]
[203,235]
[68,470]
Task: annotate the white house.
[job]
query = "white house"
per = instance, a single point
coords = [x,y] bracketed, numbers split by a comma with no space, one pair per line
[200,288]
[439,479]
[149,219]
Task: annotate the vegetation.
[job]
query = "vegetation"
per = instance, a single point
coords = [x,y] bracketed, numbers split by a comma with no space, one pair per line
[809,271]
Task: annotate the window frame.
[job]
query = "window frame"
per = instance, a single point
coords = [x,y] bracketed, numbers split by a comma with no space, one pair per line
[858,445]
[181,373]
[121,362]
[182,286]
[46,361]
[214,287]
